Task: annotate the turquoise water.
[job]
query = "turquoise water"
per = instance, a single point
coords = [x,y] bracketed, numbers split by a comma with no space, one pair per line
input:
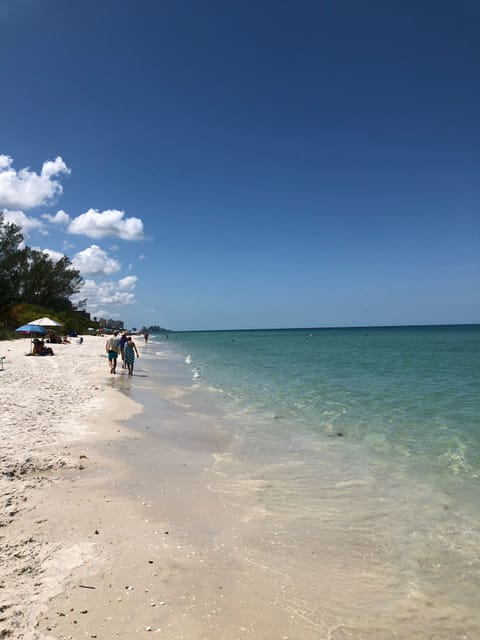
[411,392]
[349,443]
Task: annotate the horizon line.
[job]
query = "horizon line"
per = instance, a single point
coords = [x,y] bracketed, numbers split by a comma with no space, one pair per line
[311,328]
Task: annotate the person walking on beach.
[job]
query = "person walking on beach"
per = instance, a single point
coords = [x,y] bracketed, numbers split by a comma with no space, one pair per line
[112,348]
[130,350]
[122,341]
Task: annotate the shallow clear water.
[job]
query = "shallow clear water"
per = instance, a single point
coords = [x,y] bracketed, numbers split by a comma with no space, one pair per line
[407,391]
[355,465]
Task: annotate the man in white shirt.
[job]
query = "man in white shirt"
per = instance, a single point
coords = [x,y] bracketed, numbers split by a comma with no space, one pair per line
[112,348]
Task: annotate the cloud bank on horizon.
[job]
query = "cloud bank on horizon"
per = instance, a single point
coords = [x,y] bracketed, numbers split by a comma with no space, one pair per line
[24,190]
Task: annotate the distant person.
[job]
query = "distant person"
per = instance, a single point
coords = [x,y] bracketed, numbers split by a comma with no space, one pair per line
[145,337]
[130,351]
[112,348]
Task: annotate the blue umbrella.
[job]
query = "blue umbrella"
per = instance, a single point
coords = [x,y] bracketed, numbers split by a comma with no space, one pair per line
[30,328]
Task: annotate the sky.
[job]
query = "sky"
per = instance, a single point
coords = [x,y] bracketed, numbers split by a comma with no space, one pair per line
[249,164]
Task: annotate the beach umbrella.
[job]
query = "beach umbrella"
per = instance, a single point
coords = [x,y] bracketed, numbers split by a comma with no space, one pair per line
[31,328]
[46,322]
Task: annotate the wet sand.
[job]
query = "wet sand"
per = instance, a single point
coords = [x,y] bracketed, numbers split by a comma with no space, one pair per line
[167,558]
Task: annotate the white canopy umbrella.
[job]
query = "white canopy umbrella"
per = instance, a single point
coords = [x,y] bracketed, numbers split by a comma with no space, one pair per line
[46,322]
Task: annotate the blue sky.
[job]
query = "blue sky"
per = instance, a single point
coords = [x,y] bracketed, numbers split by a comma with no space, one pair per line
[225,164]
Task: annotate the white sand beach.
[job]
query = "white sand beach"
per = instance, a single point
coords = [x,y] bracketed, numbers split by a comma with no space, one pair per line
[53,409]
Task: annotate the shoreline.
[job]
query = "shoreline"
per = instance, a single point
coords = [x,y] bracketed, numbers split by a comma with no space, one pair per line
[166,556]
[110,528]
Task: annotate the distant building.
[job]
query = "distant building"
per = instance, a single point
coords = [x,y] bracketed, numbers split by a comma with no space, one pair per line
[110,324]
[83,314]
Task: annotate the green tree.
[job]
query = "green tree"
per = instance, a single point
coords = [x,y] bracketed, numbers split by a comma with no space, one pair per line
[48,283]
[10,258]
[31,276]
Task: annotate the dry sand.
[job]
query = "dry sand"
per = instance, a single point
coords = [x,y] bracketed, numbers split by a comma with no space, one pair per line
[50,418]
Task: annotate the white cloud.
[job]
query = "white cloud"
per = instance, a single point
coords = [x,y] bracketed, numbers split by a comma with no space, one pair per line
[51,253]
[107,293]
[109,223]
[22,220]
[61,217]
[95,261]
[128,283]
[51,169]
[26,189]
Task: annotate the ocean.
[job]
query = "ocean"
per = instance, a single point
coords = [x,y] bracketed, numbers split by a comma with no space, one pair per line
[354,463]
